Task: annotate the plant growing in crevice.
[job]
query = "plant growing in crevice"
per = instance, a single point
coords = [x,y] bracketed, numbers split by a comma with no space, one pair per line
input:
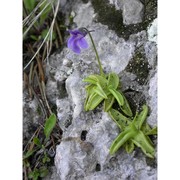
[105,88]
[42,32]
[38,151]
[133,132]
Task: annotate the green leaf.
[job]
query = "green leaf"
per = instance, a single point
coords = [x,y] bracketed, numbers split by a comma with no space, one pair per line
[121,139]
[26,163]
[129,146]
[152,131]
[29,4]
[98,89]
[126,108]
[49,125]
[46,159]
[37,142]
[93,101]
[118,118]
[142,116]
[89,91]
[34,174]
[118,96]
[113,80]
[95,78]
[90,80]
[144,143]
[44,33]
[28,154]
[145,128]
[108,102]
[43,172]
[45,12]
[89,88]
[34,37]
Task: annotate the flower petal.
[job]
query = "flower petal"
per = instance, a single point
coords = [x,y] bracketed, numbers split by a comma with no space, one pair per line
[71,41]
[75,47]
[82,43]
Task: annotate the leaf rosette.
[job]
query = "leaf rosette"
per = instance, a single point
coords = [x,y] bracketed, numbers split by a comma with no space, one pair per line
[105,88]
[133,132]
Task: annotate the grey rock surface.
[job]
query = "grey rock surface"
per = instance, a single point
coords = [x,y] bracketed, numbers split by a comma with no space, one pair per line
[87,18]
[118,4]
[31,117]
[132,11]
[153,99]
[152,31]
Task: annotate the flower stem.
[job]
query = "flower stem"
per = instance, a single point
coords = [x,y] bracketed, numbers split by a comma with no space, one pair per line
[97,56]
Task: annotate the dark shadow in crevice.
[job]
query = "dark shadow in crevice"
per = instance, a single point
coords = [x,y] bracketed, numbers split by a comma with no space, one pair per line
[83,135]
[98,167]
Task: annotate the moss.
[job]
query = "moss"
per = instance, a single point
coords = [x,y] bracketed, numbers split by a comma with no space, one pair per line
[108,15]
[139,66]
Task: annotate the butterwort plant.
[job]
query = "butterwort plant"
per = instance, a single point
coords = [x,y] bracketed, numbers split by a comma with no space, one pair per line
[105,88]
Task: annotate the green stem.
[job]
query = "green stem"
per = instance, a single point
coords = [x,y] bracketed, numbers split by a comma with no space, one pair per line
[97,56]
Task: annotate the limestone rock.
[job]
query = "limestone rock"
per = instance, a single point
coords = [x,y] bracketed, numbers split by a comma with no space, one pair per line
[31,116]
[87,18]
[132,12]
[153,100]
[152,31]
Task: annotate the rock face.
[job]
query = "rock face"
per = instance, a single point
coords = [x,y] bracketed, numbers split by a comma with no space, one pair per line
[152,31]
[132,11]
[87,136]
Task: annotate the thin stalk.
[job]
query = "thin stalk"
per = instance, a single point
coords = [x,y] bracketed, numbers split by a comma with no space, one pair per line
[30,80]
[25,173]
[97,56]
[26,19]
[48,33]
[59,33]
[44,53]
[40,102]
[46,101]
[25,80]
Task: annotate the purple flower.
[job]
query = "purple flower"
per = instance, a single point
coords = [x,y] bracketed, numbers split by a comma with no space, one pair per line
[77,41]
